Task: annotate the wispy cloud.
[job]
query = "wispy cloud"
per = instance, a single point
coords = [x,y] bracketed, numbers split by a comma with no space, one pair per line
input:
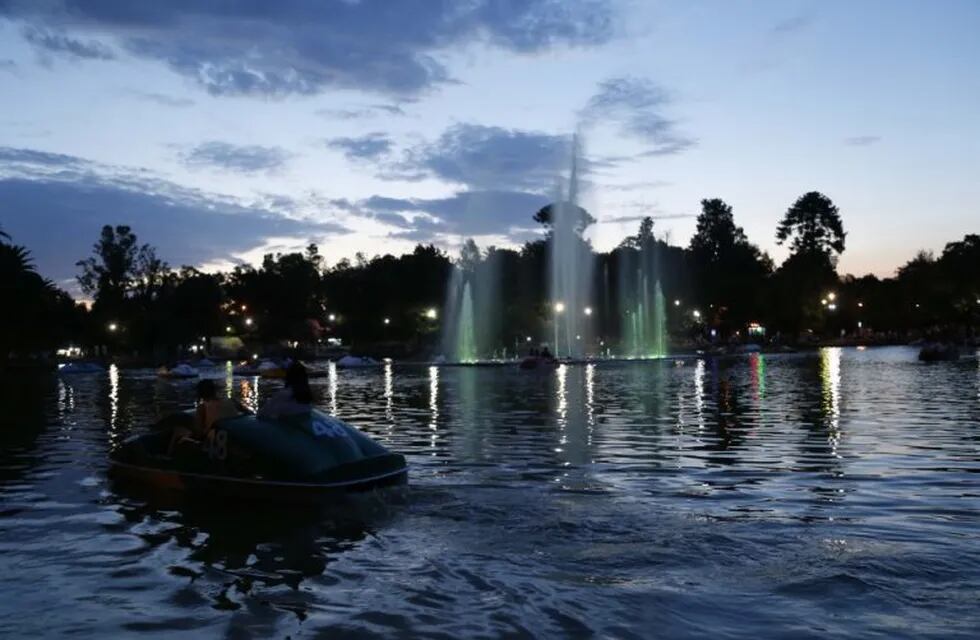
[792,24]
[862,141]
[57,43]
[247,159]
[636,106]
[162,99]
[367,147]
[364,111]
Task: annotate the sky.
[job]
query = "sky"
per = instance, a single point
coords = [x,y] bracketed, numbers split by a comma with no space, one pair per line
[220,131]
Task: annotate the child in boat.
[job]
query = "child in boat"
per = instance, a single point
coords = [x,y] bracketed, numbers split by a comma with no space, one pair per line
[294,398]
[210,409]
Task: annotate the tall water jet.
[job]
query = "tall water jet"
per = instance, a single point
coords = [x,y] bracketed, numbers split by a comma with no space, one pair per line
[465,342]
[571,266]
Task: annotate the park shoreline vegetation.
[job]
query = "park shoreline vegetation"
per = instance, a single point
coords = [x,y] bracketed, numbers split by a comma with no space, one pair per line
[718,289]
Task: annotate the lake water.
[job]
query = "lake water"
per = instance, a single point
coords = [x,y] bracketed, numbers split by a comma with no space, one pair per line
[833,494]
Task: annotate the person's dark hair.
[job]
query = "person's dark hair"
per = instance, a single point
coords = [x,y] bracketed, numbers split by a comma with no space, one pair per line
[299,382]
[207,390]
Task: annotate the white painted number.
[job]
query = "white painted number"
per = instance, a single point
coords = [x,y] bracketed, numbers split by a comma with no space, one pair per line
[328,428]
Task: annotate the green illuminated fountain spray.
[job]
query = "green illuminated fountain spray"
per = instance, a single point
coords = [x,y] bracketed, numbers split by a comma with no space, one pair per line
[641,302]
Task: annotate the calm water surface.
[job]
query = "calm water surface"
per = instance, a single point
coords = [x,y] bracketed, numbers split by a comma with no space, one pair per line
[827,494]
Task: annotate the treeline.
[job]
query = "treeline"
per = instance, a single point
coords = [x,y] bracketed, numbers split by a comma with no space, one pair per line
[715,287]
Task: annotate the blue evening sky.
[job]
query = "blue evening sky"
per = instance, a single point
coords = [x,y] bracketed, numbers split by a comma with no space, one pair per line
[223,130]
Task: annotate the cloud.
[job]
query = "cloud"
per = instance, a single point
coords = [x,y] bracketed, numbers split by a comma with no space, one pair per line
[58,43]
[247,159]
[464,213]
[367,147]
[635,106]
[862,141]
[162,99]
[482,158]
[56,204]
[792,24]
[306,46]
[365,111]
[8,65]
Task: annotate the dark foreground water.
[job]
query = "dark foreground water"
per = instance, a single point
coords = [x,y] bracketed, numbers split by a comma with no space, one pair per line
[829,494]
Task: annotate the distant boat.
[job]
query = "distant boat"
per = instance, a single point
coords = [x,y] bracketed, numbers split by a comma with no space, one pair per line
[356,362]
[80,367]
[939,352]
[181,371]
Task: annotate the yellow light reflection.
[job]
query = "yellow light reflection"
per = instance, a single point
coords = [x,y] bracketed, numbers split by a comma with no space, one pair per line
[229,377]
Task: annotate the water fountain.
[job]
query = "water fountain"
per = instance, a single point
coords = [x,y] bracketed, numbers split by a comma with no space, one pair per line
[471,310]
[641,302]
[570,259]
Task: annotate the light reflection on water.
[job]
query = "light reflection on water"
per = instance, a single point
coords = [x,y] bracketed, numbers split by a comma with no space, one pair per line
[834,493]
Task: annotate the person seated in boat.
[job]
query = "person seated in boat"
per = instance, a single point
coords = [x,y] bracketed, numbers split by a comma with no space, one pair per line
[294,398]
[546,354]
[210,409]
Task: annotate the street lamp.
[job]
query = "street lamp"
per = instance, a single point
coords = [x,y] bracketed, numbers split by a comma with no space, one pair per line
[431,314]
[332,317]
[677,303]
[113,326]
[831,296]
[528,339]
[588,311]
[248,322]
[559,307]
[387,321]
[228,329]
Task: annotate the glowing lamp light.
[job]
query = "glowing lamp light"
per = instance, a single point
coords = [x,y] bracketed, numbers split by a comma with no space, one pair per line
[831,296]
[832,307]
[228,329]
[861,304]
[255,356]
[244,307]
[823,301]
[113,326]
[248,322]
[677,303]
[559,307]
[387,320]
[332,318]
[588,311]
[431,314]
[528,339]
[696,314]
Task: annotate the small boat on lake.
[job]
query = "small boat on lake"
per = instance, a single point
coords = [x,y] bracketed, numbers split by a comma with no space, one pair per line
[80,367]
[531,363]
[182,371]
[357,362]
[303,458]
[939,352]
